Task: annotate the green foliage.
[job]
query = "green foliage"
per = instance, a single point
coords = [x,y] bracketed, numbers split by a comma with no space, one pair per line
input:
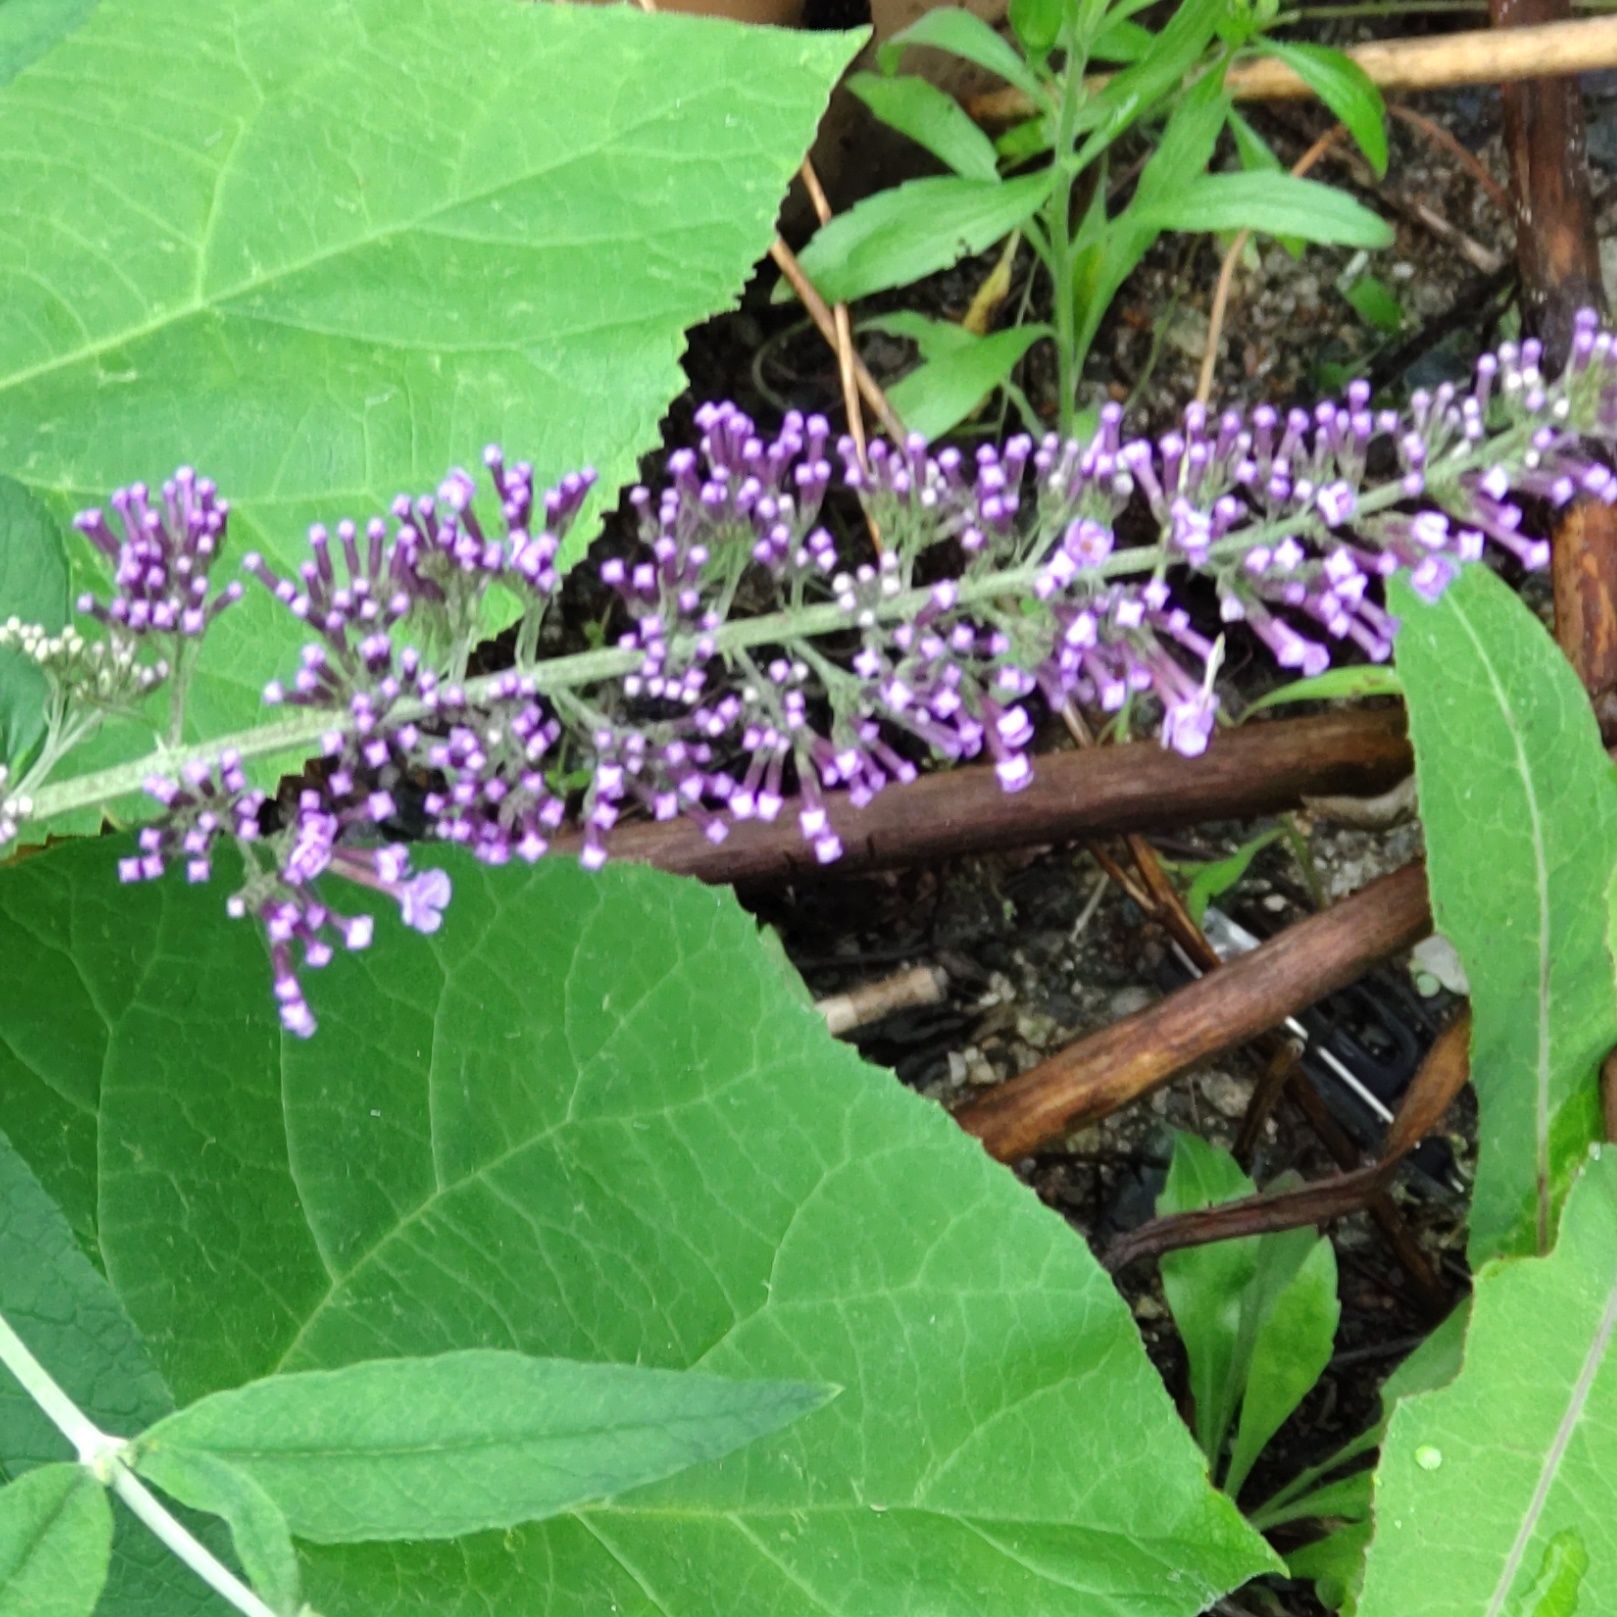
[462,1442]
[1519,804]
[900,235]
[918,108]
[1172,77]
[948,387]
[28,28]
[591,1119]
[55,1538]
[258,1529]
[1211,878]
[33,588]
[1257,1315]
[1375,303]
[69,1317]
[1349,683]
[1345,88]
[1280,204]
[339,248]
[1493,1493]
[1335,1561]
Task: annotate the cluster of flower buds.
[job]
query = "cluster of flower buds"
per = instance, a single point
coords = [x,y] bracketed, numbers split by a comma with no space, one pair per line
[14,809]
[758,654]
[161,554]
[106,674]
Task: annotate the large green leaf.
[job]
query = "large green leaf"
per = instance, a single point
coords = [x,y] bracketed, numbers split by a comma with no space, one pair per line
[33,589]
[74,1325]
[55,1537]
[591,1118]
[1494,1490]
[324,251]
[461,1442]
[1520,810]
[28,28]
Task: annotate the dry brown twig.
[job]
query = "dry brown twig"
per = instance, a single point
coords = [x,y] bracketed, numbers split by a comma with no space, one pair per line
[1247,996]
[911,989]
[833,324]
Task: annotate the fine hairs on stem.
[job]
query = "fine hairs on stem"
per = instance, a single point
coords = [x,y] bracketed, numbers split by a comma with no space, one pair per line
[105,1457]
[759,652]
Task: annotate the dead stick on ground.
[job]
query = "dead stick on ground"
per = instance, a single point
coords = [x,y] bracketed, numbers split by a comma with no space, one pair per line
[870,1002]
[1226,271]
[1091,1079]
[1262,768]
[1478,56]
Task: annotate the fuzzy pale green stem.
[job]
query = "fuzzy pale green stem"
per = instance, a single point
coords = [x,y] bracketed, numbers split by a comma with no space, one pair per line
[102,1454]
[300,731]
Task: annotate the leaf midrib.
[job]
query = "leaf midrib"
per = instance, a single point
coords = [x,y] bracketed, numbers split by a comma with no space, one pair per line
[1577,1405]
[1541,1096]
[201,303]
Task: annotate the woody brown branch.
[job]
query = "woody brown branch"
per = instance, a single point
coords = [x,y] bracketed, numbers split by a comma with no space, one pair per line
[1441,1077]
[1126,1061]
[1558,260]
[1265,768]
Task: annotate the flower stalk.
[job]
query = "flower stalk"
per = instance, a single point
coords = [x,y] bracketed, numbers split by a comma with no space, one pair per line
[758,658]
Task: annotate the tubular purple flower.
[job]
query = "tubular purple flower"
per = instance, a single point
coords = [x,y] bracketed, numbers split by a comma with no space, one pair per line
[760,659]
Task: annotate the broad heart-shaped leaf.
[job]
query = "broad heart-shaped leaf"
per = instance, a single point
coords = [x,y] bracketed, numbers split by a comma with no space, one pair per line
[28,28]
[55,1537]
[74,1325]
[462,1442]
[33,589]
[1491,1490]
[590,1118]
[341,247]
[1519,805]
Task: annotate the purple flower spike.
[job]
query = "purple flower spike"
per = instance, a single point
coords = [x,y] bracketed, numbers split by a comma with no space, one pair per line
[761,655]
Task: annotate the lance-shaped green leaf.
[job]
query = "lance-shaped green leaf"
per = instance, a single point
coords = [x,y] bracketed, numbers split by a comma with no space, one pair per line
[75,1326]
[1495,1491]
[917,108]
[1258,1315]
[1276,204]
[466,1442]
[55,1538]
[1345,88]
[592,1119]
[258,1529]
[324,252]
[900,235]
[1520,809]
[940,393]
